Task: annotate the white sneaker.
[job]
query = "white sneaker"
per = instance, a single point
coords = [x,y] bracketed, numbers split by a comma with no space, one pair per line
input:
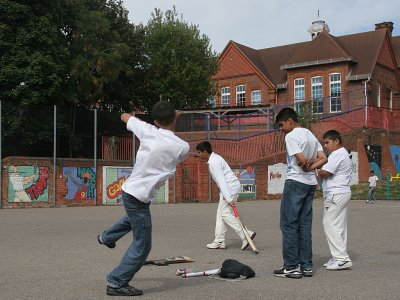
[216,245]
[329,262]
[340,265]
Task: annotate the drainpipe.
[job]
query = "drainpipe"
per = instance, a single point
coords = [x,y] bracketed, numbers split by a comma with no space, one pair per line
[366,102]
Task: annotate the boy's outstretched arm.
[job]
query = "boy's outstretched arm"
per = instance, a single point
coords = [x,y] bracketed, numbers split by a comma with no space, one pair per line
[125,117]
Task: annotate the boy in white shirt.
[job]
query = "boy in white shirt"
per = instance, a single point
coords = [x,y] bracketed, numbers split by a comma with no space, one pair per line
[302,148]
[336,175]
[229,187]
[373,179]
[159,152]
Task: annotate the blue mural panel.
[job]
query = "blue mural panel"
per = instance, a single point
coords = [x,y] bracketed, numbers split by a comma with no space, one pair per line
[81,183]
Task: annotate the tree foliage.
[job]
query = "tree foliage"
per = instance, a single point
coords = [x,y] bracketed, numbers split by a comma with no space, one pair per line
[180,62]
[86,54]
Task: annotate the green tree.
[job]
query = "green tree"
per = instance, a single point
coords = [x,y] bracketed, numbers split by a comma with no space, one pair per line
[180,62]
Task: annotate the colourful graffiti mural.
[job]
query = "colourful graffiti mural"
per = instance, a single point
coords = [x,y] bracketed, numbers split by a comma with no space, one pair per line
[113,178]
[395,153]
[81,183]
[374,154]
[247,177]
[28,184]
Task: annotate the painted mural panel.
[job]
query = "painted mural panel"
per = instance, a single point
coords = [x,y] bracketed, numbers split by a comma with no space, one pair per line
[247,177]
[28,184]
[395,153]
[374,154]
[114,177]
[81,183]
[276,178]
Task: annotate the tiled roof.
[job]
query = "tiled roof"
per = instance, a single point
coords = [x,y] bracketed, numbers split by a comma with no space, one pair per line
[361,50]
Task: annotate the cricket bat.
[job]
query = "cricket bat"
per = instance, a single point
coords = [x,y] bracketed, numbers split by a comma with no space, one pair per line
[246,233]
[204,273]
[169,260]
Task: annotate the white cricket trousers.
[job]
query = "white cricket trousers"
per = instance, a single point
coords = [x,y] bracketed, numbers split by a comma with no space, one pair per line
[225,216]
[335,224]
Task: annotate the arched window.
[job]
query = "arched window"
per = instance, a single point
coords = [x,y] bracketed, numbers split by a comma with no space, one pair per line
[240,95]
[225,96]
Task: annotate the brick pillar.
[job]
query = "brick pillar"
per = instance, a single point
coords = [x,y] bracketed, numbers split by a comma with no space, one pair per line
[363,163]
[387,162]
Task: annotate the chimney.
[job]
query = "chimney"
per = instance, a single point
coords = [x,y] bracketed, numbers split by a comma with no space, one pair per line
[385,25]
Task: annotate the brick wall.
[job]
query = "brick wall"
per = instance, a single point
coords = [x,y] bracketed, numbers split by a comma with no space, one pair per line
[61,187]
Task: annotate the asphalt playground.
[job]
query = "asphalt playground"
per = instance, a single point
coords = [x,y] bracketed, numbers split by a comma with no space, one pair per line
[52,253]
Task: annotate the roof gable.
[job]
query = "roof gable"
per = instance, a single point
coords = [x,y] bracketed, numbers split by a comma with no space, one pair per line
[364,48]
[233,64]
[323,48]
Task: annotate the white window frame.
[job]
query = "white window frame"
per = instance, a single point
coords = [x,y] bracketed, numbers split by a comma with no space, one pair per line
[298,92]
[226,96]
[335,99]
[391,100]
[256,97]
[318,103]
[241,95]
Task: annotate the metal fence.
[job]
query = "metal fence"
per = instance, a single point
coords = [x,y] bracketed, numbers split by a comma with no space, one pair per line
[241,135]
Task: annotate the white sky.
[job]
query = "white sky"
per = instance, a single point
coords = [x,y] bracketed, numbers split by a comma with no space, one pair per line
[267,23]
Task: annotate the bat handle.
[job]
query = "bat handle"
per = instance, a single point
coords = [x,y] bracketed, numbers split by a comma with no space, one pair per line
[235,211]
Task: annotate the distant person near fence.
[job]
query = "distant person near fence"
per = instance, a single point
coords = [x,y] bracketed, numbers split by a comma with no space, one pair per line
[373,180]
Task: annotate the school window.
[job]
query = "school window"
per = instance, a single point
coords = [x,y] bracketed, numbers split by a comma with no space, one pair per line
[335,86]
[225,96]
[299,93]
[256,97]
[240,95]
[316,95]
[212,102]
[378,95]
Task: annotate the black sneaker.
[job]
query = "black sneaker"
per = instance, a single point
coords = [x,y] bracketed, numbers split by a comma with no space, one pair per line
[109,245]
[292,273]
[307,272]
[126,290]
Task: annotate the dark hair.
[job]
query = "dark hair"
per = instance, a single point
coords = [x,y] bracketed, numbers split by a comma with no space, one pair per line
[285,114]
[372,171]
[204,146]
[163,112]
[333,135]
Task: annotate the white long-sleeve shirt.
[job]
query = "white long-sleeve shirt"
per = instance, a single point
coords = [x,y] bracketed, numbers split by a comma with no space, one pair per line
[159,152]
[223,176]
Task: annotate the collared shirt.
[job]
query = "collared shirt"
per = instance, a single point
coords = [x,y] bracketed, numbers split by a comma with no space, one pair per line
[340,166]
[227,182]
[159,152]
[372,180]
[301,140]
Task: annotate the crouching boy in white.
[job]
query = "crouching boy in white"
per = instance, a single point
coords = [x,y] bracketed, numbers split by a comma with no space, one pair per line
[336,175]
[229,187]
